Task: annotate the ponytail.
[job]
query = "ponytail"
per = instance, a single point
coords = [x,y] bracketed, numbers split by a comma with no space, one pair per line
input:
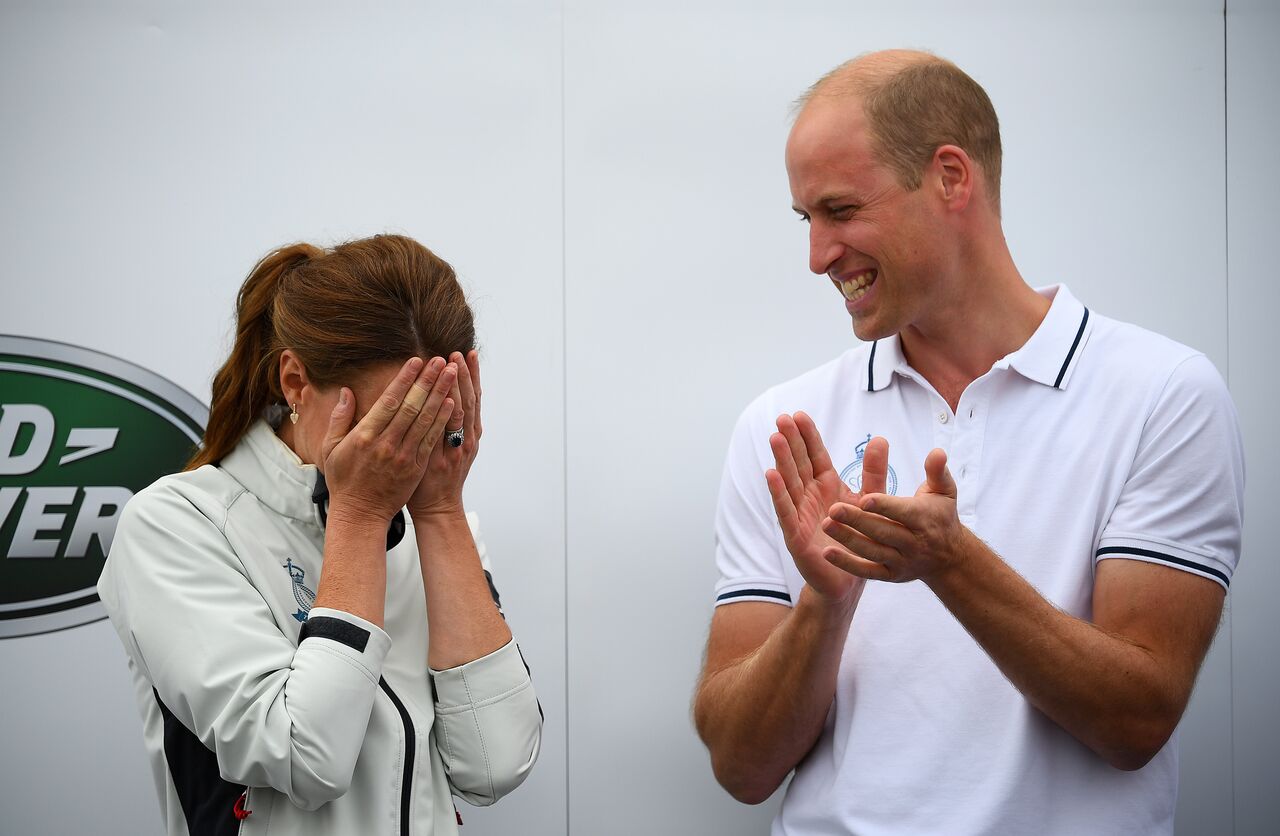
[249,381]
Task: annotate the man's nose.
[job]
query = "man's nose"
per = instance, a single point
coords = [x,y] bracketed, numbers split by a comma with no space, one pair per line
[824,249]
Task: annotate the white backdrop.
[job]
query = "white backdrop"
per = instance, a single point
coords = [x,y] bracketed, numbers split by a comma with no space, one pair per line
[607,179]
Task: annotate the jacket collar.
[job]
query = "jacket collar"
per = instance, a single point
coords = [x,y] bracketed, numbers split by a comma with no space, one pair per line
[273,473]
[1050,356]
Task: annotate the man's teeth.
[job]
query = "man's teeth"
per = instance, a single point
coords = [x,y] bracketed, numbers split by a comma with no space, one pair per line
[854,288]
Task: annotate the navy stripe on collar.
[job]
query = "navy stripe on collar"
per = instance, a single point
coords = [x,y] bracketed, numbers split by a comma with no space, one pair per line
[1057,384]
[871,368]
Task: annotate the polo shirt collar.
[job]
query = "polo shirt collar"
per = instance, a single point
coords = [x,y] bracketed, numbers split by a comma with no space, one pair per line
[1052,354]
[883,361]
[1048,357]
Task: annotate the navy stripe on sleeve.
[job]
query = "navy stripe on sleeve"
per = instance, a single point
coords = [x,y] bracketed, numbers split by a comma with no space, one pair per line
[754,593]
[1165,558]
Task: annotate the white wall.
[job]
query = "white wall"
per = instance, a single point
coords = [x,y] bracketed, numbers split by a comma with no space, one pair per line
[607,178]
[1253,181]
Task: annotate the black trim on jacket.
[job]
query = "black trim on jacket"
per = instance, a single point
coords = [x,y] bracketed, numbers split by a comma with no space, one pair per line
[208,802]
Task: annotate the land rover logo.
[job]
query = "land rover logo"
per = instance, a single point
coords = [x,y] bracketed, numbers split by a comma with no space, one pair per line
[80,433]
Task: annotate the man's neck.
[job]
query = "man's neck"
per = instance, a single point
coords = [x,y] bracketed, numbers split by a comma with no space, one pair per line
[990,317]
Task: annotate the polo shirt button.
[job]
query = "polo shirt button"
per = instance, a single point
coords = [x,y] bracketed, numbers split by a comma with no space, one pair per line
[942,417]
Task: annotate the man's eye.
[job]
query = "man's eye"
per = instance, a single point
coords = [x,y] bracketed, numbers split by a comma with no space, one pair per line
[843,213]
[803,218]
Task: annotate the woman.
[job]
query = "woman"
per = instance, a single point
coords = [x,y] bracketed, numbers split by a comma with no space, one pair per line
[314,637]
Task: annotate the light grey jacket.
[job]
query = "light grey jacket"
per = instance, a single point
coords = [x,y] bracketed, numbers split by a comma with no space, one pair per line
[263,714]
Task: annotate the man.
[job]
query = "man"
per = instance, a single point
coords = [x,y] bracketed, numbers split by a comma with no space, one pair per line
[1010,649]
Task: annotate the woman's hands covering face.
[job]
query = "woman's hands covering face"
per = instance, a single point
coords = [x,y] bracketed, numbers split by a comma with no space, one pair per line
[375,467]
[440,489]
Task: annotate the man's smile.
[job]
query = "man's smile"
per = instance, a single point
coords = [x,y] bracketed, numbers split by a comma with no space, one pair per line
[855,286]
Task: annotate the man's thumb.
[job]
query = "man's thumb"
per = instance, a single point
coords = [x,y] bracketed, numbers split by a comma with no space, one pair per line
[936,474]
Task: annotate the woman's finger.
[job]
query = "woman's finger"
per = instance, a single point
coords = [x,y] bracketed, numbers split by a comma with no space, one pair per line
[411,410]
[431,409]
[435,430]
[473,367]
[465,384]
[455,421]
[339,422]
[392,398]
[468,397]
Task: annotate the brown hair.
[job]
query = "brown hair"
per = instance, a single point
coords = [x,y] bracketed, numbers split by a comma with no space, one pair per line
[363,303]
[915,102]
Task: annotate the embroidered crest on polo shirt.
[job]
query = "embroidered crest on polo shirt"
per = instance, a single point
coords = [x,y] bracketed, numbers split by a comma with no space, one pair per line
[852,473]
[301,593]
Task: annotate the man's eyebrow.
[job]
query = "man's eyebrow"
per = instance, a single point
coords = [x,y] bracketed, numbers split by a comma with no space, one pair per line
[829,200]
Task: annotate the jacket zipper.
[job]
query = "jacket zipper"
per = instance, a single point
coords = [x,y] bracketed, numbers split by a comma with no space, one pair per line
[406,781]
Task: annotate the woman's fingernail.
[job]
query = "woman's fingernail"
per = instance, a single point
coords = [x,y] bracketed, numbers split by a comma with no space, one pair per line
[342,397]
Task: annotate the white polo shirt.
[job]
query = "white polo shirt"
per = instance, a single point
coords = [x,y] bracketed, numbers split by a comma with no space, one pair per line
[1096,439]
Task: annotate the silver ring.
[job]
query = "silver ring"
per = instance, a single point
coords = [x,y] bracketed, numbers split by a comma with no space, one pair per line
[454,437]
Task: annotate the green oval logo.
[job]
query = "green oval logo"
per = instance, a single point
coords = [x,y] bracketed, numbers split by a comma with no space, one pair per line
[80,433]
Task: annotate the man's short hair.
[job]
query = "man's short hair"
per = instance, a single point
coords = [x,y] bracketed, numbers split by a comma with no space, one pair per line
[915,102]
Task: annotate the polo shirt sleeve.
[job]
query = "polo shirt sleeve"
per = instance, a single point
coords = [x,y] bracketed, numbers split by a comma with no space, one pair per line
[1183,503]
[749,547]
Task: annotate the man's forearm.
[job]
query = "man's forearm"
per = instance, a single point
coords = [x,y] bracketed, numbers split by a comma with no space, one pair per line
[761,714]
[1111,694]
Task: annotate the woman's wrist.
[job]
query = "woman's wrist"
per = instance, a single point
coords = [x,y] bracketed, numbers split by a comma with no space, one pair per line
[350,513]
[441,513]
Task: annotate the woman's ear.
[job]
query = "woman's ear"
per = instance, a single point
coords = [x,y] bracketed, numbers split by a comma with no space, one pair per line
[293,377]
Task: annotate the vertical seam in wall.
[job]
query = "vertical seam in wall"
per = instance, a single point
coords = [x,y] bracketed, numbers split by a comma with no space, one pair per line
[1226,269]
[564,407]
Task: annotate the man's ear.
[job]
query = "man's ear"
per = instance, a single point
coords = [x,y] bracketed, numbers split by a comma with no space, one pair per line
[293,377]
[953,171]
